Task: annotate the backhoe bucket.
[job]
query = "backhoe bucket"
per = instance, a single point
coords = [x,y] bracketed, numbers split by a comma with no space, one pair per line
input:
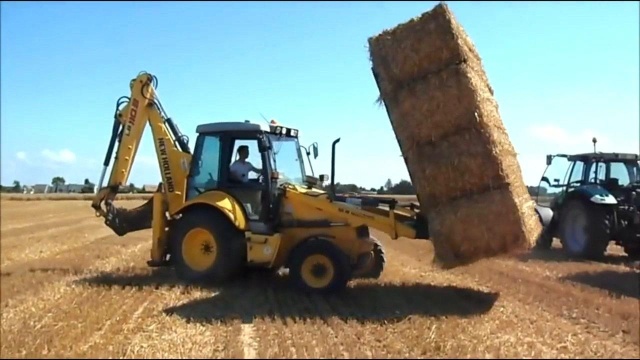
[123,221]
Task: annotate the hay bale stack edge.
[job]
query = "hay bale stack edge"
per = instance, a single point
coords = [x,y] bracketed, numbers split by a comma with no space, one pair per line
[457,150]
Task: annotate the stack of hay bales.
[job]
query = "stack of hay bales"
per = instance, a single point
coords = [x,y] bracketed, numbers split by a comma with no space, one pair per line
[457,150]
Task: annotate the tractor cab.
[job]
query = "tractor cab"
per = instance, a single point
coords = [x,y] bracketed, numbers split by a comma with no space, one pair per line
[611,172]
[250,162]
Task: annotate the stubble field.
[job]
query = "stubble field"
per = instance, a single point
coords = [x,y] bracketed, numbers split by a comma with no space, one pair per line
[72,288]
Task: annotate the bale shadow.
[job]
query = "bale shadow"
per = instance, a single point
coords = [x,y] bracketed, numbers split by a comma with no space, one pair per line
[615,282]
[265,295]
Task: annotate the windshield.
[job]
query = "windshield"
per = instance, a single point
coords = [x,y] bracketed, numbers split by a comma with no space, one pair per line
[287,160]
[624,173]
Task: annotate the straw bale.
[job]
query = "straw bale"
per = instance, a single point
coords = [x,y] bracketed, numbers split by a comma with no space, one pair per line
[442,104]
[486,225]
[470,162]
[423,45]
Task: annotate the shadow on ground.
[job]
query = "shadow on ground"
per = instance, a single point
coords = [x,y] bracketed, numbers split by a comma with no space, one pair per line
[265,295]
[618,283]
[557,255]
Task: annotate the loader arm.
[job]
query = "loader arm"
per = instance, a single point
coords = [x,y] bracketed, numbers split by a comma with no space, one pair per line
[172,150]
[394,220]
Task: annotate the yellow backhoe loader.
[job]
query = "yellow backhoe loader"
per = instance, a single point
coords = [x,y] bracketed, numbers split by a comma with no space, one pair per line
[208,223]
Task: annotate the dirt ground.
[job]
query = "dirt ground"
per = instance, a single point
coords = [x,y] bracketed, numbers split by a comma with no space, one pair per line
[72,288]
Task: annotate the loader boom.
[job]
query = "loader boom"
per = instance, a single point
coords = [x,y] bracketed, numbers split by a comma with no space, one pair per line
[172,150]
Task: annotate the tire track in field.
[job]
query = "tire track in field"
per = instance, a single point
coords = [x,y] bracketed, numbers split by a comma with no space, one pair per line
[33,311]
[55,322]
[247,337]
[28,278]
[159,332]
[576,303]
[34,227]
[62,240]
[14,210]
[541,318]
[284,315]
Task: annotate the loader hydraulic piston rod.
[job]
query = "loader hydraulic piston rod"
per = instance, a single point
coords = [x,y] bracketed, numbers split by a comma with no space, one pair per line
[332,195]
[116,133]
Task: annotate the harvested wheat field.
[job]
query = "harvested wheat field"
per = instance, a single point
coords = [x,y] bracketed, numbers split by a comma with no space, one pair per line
[71,288]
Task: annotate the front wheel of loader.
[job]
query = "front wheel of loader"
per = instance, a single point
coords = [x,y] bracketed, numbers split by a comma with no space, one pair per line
[206,247]
[319,266]
[374,268]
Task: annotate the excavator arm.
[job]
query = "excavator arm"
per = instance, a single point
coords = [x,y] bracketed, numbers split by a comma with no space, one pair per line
[174,158]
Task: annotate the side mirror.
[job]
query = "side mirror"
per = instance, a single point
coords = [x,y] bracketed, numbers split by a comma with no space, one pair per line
[315,150]
[545,180]
[549,159]
[557,181]
[323,178]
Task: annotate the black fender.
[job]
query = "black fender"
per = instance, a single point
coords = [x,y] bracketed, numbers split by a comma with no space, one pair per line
[545,214]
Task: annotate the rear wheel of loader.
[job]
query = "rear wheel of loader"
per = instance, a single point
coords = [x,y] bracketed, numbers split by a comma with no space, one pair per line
[206,247]
[317,265]
[373,269]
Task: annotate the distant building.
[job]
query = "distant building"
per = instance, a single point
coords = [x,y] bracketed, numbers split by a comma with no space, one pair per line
[41,189]
[73,188]
[149,188]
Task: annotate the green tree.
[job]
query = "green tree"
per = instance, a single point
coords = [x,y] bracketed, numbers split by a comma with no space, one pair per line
[388,185]
[404,187]
[56,182]
[16,186]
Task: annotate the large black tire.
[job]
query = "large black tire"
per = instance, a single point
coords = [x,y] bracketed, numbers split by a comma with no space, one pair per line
[584,230]
[206,247]
[319,266]
[375,267]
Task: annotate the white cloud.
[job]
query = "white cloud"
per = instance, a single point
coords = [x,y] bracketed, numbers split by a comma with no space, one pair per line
[64,156]
[21,155]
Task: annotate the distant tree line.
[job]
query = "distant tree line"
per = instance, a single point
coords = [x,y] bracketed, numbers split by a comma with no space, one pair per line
[58,181]
[403,187]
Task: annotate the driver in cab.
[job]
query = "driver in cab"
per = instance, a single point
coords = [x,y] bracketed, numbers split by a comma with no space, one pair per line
[240,168]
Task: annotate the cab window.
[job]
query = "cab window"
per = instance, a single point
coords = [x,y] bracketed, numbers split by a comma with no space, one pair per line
[254,154]
[205,170]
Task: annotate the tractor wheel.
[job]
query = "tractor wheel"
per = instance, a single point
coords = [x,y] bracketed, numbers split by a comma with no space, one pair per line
[319,266]
[584,230]
[375,266]
[206,247]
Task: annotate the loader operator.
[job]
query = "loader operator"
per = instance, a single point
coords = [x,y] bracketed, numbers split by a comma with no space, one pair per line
[239,171]
[241,167]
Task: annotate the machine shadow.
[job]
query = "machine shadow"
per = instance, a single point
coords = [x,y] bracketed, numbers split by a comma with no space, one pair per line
[616,282]
[265,295]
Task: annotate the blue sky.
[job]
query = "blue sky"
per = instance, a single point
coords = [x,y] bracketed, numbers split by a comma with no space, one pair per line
[561,73]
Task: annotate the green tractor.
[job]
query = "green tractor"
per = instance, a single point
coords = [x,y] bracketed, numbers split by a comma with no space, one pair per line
[598,202]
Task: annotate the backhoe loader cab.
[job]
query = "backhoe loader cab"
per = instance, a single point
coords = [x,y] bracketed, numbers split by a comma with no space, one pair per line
[273,157]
